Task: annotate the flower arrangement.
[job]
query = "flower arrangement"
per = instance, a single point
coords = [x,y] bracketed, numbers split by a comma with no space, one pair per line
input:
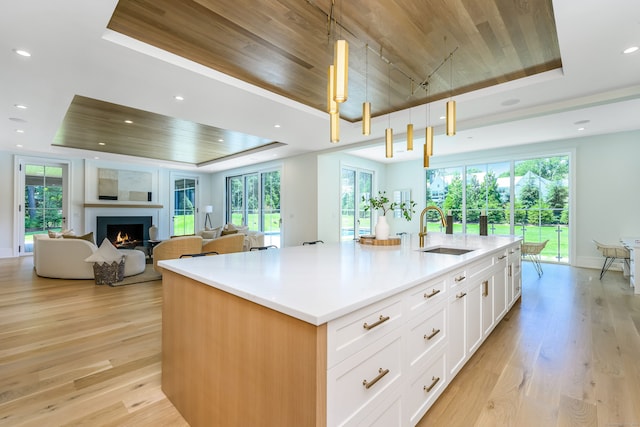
[382,203]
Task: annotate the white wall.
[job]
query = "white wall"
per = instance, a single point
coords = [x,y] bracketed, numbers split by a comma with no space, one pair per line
[7,184]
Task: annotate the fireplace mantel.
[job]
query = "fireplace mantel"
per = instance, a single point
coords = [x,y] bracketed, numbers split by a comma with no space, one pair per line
[122,205]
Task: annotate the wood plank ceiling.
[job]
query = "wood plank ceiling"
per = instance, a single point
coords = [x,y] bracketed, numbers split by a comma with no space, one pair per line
[398,48]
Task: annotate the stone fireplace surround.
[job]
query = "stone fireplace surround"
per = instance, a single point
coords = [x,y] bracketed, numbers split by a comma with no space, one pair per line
[136,226]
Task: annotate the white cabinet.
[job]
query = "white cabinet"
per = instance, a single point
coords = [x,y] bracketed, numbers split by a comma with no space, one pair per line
[474,317]
[488,316]
[514,276]
[457,330]
[357,385]
[388,362]
[426,383]
[500,287]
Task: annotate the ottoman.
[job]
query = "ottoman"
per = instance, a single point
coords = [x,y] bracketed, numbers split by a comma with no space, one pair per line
[134,261]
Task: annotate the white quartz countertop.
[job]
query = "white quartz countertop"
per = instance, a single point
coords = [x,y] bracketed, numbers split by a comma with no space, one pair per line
[319,283]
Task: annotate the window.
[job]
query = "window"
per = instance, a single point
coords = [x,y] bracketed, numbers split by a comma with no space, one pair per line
[184,206]
[535,190]
[354,221]
[44,187]
[253,200]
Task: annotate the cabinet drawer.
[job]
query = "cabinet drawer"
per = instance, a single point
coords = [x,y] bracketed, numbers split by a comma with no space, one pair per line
[458,278]
[425,332]
[360,383]
[426,296]
[478,267]
[426,383]
[500,257]
[351,333]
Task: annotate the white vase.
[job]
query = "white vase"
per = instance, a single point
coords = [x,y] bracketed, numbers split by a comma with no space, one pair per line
[153,233]
[382,228]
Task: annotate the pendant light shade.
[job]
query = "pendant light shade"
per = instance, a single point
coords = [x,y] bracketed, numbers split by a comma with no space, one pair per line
[341,70]
[388,142]
[366,118]
[410,137]
[425,157]
[334,124]
[451,118]
[332,105]
[428,141]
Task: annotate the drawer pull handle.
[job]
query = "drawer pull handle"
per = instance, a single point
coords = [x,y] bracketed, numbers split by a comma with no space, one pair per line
[432,294]
[433,384]
[381,373]
[485,291]
[460,278]
[433,334]
[461,295]
[379,322]
[502,257]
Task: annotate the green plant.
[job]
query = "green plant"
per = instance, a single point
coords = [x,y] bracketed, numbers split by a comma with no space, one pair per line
[382,203]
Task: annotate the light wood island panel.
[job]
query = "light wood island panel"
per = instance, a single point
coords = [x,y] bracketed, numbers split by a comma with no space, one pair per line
[243,354]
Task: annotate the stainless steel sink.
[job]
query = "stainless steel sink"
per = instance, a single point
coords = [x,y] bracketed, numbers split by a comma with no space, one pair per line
[447,251]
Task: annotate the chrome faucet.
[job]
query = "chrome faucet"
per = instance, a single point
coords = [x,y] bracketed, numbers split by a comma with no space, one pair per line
[423,228]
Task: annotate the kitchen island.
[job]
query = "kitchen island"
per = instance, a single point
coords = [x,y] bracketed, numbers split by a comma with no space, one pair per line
[330,334]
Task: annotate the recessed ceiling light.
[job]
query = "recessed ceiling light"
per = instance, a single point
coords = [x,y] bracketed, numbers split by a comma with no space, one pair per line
[19,130]
[128,122]
[178,98]
[220,140]
[276,126]
[442,117]
[580,129]
[96,158]
[631,49]
[509,102]
[102,143]
[22,52]
[20,106]
[19,145]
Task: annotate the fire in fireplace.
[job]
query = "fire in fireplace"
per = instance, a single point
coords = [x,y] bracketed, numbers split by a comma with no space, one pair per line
[123,231]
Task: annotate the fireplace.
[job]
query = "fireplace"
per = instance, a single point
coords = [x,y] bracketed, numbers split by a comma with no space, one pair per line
[123,231]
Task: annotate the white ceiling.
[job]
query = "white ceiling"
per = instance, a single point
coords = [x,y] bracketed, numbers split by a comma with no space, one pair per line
[73,53]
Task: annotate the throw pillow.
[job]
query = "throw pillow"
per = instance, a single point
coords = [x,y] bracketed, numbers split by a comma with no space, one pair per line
[227,232]
[243,229]
[88,237]
[57,235]
[105,253]
[208,234]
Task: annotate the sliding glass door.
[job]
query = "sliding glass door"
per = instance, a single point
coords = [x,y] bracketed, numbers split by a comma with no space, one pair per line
[253,200]
[183,215]
[354,221]
[44,188]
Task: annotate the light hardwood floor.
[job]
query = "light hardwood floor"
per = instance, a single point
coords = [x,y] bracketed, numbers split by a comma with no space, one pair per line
[73,353]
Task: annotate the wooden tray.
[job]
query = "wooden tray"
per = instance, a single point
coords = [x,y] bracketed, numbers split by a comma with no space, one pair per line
[371,240]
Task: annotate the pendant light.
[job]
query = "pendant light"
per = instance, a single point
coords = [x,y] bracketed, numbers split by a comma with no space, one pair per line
[366,105]
[332,108]
[388,132]
[341,70]
[410,128]
[451,104]
[332,105]
[334,125]
[428,134]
